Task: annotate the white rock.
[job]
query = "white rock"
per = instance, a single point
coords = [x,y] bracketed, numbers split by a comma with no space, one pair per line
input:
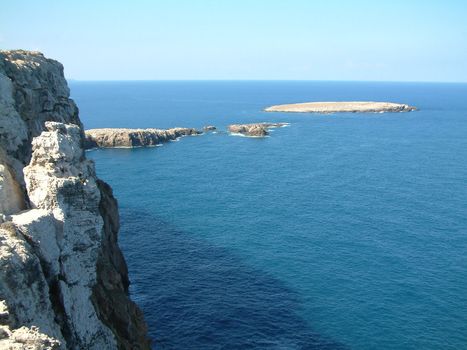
[23,286]
[62,274]
[61,183]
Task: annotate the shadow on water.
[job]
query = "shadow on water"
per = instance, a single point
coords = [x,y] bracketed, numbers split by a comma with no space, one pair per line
[199,296]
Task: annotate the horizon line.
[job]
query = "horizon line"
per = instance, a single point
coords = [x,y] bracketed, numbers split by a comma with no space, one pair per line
[267,80]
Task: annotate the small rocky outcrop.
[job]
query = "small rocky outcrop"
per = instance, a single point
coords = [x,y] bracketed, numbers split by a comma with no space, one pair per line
[63,279]
[112,138]
[209,128]
[254,130]
[347,107]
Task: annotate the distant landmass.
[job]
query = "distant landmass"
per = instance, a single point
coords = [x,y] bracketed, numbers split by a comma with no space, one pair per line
[349,107]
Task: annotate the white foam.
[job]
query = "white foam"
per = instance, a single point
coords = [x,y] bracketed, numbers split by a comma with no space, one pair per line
[243,135]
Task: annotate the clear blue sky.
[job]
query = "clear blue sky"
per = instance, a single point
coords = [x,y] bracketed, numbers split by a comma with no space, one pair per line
[410,40]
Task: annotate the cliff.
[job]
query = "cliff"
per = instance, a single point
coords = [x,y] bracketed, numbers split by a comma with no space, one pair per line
[109,138]
[347,107]
[63,279]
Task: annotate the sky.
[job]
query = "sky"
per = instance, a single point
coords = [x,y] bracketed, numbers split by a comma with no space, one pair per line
[410,40]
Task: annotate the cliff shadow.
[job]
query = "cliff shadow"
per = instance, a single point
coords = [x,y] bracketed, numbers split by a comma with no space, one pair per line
[198,296]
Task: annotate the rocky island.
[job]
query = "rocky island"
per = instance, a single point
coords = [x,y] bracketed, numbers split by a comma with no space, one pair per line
[254,130]
[114,138]
[348,107]
[208,128]
[63,278]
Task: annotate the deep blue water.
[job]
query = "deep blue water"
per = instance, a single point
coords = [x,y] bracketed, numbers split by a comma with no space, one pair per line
[340,231]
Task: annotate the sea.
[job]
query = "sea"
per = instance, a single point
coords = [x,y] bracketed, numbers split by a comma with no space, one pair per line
[339,231]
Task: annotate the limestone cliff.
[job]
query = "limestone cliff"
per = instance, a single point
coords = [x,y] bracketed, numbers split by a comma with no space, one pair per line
[63,279]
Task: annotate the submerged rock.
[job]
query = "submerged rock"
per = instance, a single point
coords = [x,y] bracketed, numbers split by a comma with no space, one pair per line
[209,128]
[63,278]
[254,130]
[109,138]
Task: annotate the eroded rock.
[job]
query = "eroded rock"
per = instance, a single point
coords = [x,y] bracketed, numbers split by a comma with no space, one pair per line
[114,138]
[254,130]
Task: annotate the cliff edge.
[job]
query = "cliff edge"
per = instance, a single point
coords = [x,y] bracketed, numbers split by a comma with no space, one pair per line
[63,279]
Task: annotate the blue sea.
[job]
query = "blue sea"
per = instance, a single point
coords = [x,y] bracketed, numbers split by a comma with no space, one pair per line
[340,231]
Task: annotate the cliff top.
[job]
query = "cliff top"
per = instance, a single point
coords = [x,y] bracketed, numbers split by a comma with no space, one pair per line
[24,58]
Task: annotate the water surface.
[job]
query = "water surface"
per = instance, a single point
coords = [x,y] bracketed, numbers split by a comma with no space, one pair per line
[345,231]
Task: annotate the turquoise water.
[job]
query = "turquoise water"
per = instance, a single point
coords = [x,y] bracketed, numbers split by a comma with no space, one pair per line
[340,231]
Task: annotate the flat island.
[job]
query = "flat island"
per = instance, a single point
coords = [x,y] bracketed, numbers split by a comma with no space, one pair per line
[349,107]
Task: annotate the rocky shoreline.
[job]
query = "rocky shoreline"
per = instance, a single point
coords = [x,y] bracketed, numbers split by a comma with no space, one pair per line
[125,138]
[342,107]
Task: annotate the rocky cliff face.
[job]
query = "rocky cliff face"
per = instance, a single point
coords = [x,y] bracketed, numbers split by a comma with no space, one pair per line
[63,279]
